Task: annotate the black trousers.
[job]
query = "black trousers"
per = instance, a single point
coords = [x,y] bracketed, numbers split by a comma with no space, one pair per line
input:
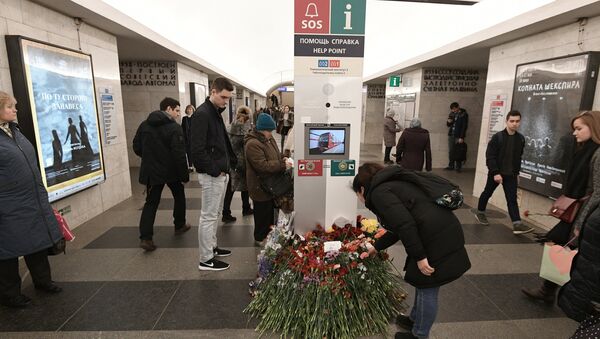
[386,157]
[10,280]
[153,194]
[229,197]
[264,218]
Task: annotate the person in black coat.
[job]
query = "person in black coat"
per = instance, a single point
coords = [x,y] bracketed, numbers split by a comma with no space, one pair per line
[28,226]
[458,122]
[186,126]
[159,142]
[414,147]
[432,237]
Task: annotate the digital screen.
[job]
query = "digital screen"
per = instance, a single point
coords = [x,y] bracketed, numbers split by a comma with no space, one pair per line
[61,107]
[326,141]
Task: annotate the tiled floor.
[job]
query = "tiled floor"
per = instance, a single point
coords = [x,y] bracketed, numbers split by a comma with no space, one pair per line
[112,289]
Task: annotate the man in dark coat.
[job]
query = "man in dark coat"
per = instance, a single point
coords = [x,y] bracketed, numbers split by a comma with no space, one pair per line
[213,158]
[27,224]
[432,237]
[159,142]
[414,147]
[503,159]
[458,122]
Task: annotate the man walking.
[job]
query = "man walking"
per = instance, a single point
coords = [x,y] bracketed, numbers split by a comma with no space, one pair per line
[159,142]
[213,157]
[458,122]
[503,159]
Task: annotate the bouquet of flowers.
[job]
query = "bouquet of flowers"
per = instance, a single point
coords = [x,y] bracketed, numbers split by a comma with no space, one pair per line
[325,284]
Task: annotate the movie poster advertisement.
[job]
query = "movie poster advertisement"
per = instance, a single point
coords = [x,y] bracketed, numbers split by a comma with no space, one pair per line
[65,118]
[548,94]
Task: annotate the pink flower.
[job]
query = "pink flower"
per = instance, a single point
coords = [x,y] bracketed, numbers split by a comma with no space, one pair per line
[364,255]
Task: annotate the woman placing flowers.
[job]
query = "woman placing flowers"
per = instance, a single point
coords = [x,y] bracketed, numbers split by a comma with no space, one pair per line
[431,235]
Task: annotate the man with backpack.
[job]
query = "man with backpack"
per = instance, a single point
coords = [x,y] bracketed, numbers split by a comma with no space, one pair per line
[159,142]
[503,159]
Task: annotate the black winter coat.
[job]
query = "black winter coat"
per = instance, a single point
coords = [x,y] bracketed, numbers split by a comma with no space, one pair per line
[580,297]
[425,229]
[495,153]
[159,142]
[211,149]
[27,223]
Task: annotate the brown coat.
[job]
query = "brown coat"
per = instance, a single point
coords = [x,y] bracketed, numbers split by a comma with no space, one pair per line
[414,145]
[262,159]
[389,132]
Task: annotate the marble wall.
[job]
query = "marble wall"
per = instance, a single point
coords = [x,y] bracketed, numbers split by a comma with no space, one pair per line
[503,60]
[21,17]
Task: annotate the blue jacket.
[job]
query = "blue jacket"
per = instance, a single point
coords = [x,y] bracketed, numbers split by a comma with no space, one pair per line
[27,223]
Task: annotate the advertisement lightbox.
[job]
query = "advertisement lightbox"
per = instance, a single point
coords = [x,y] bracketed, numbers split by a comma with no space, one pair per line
[57,112]
[549,94]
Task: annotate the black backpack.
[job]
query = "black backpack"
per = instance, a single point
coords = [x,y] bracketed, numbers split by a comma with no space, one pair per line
[443,192]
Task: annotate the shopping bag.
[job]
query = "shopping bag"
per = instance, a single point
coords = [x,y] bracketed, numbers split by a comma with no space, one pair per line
[556,263]
[64,227]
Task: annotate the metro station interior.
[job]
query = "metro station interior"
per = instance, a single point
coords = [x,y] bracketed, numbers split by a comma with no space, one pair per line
[419,57]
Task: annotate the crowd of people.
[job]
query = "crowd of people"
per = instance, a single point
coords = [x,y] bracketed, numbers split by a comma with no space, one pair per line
[240,157]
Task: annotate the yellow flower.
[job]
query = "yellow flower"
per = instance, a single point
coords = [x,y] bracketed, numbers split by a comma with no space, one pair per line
[369,225]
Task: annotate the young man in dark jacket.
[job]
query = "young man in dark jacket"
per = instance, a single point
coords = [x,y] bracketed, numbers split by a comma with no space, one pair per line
[213,158]
[159,142]
[458,122]
[503,159]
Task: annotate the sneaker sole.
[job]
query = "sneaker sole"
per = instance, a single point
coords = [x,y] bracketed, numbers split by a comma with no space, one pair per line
[203,268]
[522,232]
[479,221]
[222,255]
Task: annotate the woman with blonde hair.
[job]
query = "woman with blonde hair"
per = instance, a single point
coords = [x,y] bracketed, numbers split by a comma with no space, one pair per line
[237,180]
[583,166]
[28,227]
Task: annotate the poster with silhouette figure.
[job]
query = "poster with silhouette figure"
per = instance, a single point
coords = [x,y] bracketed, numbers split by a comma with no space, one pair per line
[59,114]
[549,94]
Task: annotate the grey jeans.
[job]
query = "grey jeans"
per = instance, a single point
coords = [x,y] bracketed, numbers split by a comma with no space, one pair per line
[213,192]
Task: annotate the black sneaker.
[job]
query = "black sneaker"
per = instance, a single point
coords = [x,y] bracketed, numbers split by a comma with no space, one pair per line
[405,322]
[213,265]
[219,252]
[247,212]
[519,228]
[19,301]
[228,218]
[480,216]
[404,335]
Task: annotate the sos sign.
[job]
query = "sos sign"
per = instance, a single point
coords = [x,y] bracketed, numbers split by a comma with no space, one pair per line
[311,16]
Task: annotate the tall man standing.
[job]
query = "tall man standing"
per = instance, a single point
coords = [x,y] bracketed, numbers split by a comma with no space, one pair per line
[213,157]
[503,159]
[458,122]
[159,142]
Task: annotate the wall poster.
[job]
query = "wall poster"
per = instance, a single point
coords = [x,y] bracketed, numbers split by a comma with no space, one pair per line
[58,113]
[549,94]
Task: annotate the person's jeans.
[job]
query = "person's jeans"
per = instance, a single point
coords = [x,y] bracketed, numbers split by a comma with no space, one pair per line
[424,310]
[509,184]
[153,195]
[229,196]
[213,191]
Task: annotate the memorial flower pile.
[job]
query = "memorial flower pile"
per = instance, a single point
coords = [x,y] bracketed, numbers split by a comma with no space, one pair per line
[324,284]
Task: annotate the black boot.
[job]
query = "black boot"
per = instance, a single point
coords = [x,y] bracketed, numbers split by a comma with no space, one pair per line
[545,293]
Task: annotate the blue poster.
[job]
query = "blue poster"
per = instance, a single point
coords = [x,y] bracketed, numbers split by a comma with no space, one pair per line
[65,116]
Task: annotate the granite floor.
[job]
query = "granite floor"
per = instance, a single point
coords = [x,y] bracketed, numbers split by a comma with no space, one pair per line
[112,289]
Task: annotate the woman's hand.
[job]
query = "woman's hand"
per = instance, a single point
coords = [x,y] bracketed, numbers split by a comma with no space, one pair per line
[424,267]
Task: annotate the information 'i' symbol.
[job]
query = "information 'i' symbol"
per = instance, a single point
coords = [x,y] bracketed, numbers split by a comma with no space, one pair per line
[348,15]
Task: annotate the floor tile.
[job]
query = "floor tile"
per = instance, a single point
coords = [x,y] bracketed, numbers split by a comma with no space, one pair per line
[135,305]
[477,329]
[504,290]
[547,328]
[208,304]
[90,264]
[493,234]
[47,312]
[128,237]
[505,258]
